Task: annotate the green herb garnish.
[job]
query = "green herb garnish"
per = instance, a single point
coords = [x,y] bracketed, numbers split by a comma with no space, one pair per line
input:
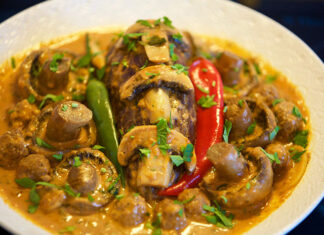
[297,156]
[162,133]
[101,72]
[31,99]
[58,157]
[42,143]
[145,23]
[173,56]
[276,101]
[13,62]
[177,160]
[207,101]
[156,41]
[241,103]
[180,68]
[301,138]
[274,133]
[251,128]
[52,97]
[55,61]
[77,162]
[271,78]
[146,152]
[98,147]
[273,157]
[227,130]
[167,22]
[296,112]
[177,36]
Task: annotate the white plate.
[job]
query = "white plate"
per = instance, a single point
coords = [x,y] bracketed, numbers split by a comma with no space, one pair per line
[225,19]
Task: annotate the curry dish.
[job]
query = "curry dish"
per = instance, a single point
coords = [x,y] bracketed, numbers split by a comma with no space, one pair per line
[151,130]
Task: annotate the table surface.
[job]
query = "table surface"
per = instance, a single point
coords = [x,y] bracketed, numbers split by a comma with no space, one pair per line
[305,18]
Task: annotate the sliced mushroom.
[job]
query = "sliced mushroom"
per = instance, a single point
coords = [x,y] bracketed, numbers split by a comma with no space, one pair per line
[155,169]
[42,73]
[63,126]
[132,55]
[155,76]
[265,123]
[156,46]
[289,122]
[251,192]
[155,92]
[91,175]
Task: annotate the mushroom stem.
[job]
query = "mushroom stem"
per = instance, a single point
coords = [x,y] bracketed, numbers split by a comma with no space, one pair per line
[66,121]
[54,81]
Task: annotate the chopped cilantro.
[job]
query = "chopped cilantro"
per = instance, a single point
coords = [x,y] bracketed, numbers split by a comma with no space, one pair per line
[98,147]
[55,62]
[90,198]
[145,23]
[64,107]
[177,36]
[173,56]
[271,78]
[13,62]
[248,185]
[274,133]
[185,201]
[207,101]
[52,97]
[229,89]
[144,65]
[177,160]
[156,41]
[31,99]
[145,152]
[162,133]
[276,101]
[227,130]
[42,143]
[101,72]
[241,103]
[301,138]
[152,75]
[67,229]
[74,105]
[167,22]
[58,157]
[257,68]
[273,157]
[77,162]
[188,152]
[114,63]
[297,156]
[205,70]
[120,196]
[251,128]
[296,112]
[180,68]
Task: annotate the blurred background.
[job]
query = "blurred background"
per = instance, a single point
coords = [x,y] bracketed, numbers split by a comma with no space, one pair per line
[305,18]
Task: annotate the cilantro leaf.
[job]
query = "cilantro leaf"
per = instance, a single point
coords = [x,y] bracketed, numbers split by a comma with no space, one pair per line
[227,130]
[177,160]
[274,133]
[273,157]
[207,101]
[301,138]
[188,152]
[52,97]
[162,133]
[145,23]
[55,61]
[251,128]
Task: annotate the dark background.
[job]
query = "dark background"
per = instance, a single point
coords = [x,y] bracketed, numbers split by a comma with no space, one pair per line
[305,18]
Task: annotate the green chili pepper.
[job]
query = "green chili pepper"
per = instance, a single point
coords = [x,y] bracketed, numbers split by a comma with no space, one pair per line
[98,102]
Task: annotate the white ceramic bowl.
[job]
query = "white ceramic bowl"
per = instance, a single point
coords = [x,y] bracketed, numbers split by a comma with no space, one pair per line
[225,19]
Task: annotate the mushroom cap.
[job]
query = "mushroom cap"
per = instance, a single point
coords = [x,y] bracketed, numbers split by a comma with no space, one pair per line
[144,137]
[155,76]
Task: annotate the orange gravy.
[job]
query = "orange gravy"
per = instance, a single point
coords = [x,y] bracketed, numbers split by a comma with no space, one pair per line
[101,223]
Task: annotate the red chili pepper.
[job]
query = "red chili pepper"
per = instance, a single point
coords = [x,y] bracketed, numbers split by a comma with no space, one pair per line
[204,77]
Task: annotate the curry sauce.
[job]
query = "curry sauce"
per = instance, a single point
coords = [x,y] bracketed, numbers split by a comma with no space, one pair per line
[102,221]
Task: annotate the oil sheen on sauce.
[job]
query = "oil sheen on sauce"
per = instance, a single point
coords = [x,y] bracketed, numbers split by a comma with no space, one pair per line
[100,223]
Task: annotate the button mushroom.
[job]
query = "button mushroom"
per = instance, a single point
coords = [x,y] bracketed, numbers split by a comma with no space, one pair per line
[62,126]
[155,169]
[89,174]
[49,72]
[263,118]
[149,95]
[251,191]
[13,147]
[34,166]
[130,210]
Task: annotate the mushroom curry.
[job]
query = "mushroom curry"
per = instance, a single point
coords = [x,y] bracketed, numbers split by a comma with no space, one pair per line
[148,131]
